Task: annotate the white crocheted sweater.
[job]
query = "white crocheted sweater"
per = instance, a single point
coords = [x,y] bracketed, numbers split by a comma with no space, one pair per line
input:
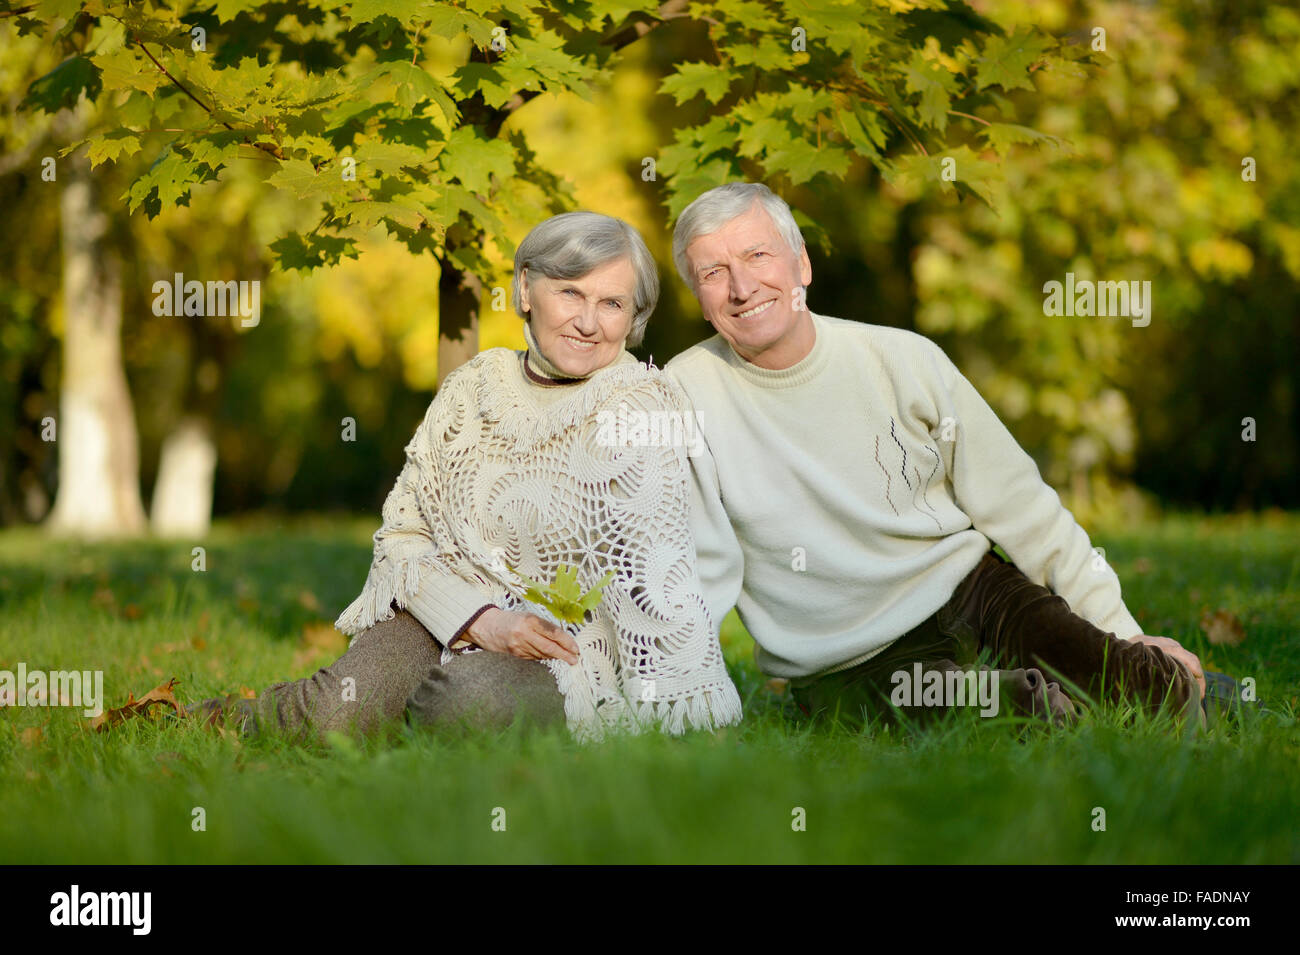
[496,477]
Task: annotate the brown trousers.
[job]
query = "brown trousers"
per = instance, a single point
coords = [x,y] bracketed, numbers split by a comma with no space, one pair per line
[393,670]
[1047,661]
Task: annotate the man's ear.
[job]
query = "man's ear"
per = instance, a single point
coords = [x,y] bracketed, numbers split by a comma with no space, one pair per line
[523,292]
[805,268]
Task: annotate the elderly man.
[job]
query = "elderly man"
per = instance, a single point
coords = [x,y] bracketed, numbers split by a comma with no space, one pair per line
[852,485]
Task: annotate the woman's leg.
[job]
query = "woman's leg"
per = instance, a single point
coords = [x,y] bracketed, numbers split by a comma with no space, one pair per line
[361,690]
[487,691]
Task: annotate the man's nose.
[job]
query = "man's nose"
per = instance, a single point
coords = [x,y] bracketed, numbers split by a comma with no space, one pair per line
[742,284]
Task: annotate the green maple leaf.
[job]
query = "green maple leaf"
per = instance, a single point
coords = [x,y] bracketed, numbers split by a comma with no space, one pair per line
[62,86]
[564,597]
[1006,60]
[694,78]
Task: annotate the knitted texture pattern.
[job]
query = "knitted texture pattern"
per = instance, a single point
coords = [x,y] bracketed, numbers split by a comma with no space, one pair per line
[494,478]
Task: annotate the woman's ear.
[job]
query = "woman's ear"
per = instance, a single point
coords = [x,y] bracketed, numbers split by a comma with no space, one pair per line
[523,292]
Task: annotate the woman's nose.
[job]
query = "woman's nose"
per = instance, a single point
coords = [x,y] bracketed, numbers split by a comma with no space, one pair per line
[585,322]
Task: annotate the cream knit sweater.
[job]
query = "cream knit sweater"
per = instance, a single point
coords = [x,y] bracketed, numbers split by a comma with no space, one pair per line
[842,500]
[508,468]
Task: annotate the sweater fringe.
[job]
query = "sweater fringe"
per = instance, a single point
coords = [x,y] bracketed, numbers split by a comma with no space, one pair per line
[400,579]
[711,709]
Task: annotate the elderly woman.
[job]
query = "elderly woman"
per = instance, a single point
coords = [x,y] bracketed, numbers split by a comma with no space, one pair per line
[515,473]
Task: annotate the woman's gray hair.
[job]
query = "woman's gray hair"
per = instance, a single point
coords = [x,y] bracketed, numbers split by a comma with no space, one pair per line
[570,245]
[711,211]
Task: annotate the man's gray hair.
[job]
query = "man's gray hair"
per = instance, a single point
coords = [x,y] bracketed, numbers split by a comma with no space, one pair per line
[570,245]
[711,211]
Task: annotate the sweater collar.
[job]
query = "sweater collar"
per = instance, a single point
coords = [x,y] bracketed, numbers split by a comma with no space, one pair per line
[540,371]
[802,371]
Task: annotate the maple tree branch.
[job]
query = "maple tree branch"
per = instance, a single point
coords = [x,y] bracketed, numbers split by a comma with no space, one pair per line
[270,148]
[17,12]
[178,84]
[669,10]
[955,112]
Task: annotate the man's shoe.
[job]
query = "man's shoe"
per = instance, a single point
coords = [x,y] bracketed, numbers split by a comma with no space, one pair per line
[1224,697]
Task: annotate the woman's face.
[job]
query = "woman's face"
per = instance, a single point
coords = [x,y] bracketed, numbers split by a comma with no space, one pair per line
[580,324]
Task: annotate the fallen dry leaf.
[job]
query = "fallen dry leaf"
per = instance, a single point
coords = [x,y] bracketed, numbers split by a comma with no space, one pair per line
[1222,627]
[31,736]
[132,612]
[307,600]
[776,685]
[320,642]
[133,707]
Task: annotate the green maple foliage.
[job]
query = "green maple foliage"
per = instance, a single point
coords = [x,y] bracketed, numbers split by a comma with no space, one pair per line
[391,114]
[564,596]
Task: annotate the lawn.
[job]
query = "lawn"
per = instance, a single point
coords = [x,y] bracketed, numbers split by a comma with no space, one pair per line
[968,791]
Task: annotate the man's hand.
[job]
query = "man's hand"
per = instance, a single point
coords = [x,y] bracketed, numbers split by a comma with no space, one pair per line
[1177,651]
[523,635]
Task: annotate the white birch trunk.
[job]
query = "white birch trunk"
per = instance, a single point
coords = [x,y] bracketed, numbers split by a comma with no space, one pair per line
[99,469]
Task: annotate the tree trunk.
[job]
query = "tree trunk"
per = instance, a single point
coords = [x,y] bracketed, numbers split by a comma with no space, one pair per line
[99,468]
[182,495]
[459,294]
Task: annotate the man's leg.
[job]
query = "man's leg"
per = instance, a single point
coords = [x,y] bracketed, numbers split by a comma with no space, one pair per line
[1024,624]
[857,696]
[948,658]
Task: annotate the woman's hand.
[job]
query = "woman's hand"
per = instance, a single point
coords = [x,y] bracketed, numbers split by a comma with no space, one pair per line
[523,635]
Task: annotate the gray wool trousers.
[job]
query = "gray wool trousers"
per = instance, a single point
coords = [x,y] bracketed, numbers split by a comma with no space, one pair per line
[393,670]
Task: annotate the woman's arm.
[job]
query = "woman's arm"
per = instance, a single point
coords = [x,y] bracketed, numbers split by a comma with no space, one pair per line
[417,565]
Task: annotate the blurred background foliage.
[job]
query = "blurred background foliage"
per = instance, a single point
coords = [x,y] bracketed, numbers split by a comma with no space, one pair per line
[1146,183]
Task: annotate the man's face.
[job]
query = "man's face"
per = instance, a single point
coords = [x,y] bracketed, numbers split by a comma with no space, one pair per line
[581,324]
[746,278]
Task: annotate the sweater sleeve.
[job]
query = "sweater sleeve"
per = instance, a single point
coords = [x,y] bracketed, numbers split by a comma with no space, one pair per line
[415,558]
[667,638]
[999,487]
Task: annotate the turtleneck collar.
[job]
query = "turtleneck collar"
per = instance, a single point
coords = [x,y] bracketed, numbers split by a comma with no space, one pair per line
[540,370]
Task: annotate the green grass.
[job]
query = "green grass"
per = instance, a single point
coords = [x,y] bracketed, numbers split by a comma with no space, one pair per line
[969,791]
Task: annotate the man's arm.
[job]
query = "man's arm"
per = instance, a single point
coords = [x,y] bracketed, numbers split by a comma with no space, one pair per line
[998,485]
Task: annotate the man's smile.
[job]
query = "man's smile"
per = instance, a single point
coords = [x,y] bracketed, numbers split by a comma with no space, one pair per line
[757,309]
